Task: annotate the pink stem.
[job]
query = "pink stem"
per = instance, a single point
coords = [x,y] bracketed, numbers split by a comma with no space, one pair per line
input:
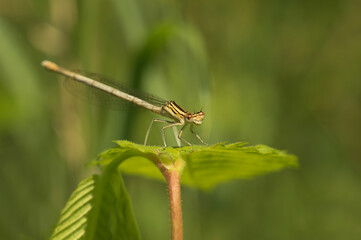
[175,205]
[173,180]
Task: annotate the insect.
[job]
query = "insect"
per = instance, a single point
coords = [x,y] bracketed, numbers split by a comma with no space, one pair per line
[169,109]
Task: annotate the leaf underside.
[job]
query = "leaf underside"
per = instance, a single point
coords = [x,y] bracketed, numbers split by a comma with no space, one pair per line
[98,209]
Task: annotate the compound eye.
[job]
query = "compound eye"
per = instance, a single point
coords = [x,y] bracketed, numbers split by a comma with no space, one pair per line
[189,117]
[201,114]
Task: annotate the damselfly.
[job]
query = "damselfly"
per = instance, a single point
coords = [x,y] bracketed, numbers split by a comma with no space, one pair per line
[168,109]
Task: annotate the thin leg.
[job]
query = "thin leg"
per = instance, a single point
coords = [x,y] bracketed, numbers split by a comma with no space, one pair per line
[150,126]
[180,136]
[200,139]
[175,131]
[170,125]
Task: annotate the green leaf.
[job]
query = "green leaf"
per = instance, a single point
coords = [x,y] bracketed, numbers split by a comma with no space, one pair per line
[212,166]
[205,166]
[99,208]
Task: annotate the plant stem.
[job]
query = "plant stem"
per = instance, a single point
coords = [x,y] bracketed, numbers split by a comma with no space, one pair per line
[172,177]
[175,205]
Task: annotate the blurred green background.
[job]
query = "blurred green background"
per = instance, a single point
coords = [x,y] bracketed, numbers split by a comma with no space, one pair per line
[282,73]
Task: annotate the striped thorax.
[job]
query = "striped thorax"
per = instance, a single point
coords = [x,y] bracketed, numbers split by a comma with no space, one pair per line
[178,113]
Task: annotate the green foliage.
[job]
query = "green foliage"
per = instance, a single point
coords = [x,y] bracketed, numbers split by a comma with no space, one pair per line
[100,207]
[205,166]
[285,73]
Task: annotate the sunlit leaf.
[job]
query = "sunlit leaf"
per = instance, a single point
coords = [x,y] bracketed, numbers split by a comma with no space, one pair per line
[206,166]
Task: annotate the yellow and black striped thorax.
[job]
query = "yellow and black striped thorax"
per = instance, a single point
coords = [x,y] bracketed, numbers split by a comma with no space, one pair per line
[175,110]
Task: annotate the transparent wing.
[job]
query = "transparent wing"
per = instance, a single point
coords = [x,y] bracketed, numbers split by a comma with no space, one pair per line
[103,98]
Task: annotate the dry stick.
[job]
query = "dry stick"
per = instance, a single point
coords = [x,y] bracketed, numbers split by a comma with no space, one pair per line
[172,177]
